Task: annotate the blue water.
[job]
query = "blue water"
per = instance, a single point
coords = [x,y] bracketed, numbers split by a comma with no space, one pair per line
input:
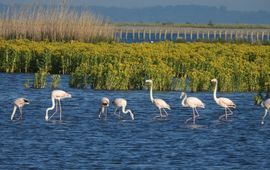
[82,141]
[138,37]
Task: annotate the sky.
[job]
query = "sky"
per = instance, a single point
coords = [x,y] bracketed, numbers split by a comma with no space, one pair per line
[240,5]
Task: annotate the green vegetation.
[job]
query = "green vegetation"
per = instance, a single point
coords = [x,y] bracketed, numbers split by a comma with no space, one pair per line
[55,81]
[238,67]
[40,80]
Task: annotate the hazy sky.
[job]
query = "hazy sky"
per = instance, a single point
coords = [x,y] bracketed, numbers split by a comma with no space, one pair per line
[243,5]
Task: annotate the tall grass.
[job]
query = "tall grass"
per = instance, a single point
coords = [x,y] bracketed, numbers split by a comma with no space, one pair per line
[172,66]
[53,23]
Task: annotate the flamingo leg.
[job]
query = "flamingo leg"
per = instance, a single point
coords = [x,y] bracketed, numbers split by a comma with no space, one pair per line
[165,111]
[56,108]
[106,113]
[188,120]
[265,114]
[160,114]
[115,111]
[60,109]
[196,112]
[225,115]
[193,116]
[100,112]
[21,113]
[231,113]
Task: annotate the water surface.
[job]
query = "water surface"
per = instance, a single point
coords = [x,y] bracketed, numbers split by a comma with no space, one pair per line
[82,141]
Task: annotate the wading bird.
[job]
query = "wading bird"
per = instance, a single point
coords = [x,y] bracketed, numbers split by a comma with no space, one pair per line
[103,110]
[56,95]
[121,103]
[223,102]
[192,102]
[20,102]
[159,103]
[266,105]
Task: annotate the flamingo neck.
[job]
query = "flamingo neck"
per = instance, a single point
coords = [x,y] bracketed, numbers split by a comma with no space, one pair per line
[128,111]
[215,92]
[13,113]
[151,93]
[102,109]
[184,100]
[50,108]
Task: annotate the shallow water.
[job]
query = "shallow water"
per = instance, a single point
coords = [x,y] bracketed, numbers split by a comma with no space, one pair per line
[82,141]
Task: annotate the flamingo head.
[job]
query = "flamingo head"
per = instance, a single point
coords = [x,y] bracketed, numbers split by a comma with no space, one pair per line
[68,95]
[46,117]
[148,81]
[26,101]
[105,102]
[214,80]
[182,95]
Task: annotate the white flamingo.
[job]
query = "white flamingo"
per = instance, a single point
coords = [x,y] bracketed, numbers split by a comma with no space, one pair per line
[266,105]
[56,95]
[223,102]
[192,102]
[122,103]
[159,103]
[20,102]
[103,110]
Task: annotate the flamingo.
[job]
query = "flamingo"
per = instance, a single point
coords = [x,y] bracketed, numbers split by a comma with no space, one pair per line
[266,105]
[192,102]
[122,103]
[20,102]
[103,110]
[57,95]
[223,102]
[159,103]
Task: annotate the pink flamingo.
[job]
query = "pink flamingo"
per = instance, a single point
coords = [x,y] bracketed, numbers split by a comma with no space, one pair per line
[266,105]
[122,103]
[192,102]
[159,103]
[103,110]
[223,102]
[20,102]
[57,95]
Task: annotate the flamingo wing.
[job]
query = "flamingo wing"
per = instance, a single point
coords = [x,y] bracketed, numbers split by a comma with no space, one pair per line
[266,103]
[161,104]
[195,102]
[225,102]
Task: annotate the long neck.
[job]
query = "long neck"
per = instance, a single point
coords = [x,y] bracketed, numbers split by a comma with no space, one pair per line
[215,92]
[50,108]
[13,113]
[151,93]
[128,111]
[184,100]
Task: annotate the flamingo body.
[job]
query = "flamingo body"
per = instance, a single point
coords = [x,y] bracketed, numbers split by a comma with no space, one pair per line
[57,95]
[159,103]
[192,102]
[103,110]
[122,103]
[19,103]
[223,102]
[266,105]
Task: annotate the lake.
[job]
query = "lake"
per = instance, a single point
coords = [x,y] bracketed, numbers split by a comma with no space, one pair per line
[82,141]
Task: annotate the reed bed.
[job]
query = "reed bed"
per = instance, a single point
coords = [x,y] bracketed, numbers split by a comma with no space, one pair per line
[172,66]
[53,23]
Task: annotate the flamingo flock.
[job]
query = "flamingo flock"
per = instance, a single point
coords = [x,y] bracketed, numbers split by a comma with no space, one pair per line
[121,103]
